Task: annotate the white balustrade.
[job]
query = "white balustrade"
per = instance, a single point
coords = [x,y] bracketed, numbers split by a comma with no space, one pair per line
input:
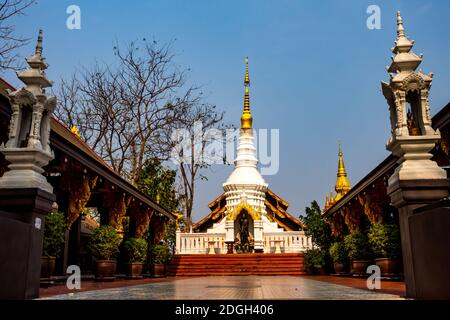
[200,243]
[214,243]
[286,242]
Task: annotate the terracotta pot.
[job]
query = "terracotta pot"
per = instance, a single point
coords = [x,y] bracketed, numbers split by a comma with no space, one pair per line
[389,267]
[47,267]
[340,268]
[134,270]
[319,270]
[359,267]
[105,270]
[158,270]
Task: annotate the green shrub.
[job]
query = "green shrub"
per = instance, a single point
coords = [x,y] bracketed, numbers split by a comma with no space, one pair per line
[357,246]
[55,227]
[135,250]
[104,243]
[159,254]
[314,260]
[338,252]
[385,240]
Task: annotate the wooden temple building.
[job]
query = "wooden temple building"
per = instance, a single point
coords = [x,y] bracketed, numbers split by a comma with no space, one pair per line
[367,202]
[80,180]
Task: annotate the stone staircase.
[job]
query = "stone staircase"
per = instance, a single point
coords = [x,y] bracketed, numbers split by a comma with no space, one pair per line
[237,264]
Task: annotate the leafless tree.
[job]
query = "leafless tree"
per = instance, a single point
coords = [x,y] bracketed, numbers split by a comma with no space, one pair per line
[128,111]
[196,146]
[124,111]
[9,41]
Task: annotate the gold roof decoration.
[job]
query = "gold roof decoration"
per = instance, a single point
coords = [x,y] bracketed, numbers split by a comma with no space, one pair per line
[75,131]
[342,184]
[246,118]
[327,204]
[332,199]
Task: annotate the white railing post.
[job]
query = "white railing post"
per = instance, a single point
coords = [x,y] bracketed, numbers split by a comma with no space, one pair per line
[178,241]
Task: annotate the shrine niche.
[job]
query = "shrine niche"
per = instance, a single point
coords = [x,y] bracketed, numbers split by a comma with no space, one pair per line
[244,233]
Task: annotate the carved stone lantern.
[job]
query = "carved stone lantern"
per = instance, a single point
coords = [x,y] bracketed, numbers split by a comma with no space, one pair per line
[412,136]
[28,146]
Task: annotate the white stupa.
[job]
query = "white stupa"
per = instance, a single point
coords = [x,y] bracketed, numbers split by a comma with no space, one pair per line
[246,184]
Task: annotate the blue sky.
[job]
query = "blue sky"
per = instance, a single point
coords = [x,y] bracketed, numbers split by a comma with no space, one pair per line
[315,70]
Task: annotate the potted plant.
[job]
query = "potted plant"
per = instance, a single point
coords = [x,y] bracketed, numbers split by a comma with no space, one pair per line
[136,253]
[338,254]
[104,246]
[159,257]
[239,248]
[315,261]
[359,252]
[55,227]
[385,242]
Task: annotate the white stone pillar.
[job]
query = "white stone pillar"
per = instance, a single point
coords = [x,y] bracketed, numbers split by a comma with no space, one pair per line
[259,235]
[229,231]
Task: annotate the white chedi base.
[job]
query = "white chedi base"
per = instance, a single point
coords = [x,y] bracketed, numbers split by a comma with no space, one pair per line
[25,169]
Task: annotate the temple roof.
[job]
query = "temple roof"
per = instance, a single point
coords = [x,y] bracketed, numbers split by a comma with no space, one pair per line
[275,206]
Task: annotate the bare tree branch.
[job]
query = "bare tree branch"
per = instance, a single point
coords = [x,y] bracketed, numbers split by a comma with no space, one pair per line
[9,41]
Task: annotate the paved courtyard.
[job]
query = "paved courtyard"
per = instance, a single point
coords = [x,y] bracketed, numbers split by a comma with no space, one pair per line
[235,287]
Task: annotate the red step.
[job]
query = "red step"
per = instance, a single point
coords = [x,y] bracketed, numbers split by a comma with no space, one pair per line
[237,264]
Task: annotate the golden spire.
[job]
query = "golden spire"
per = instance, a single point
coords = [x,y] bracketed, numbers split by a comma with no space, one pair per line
[246,118]
[342,183]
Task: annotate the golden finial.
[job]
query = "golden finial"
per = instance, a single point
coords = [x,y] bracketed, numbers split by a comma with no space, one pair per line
[75,131]
[246,118]
[341,166]
[247,77]
[342,183]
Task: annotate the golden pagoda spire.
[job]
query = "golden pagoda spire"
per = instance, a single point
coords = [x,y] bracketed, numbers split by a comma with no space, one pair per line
[246,118]
[342,184]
